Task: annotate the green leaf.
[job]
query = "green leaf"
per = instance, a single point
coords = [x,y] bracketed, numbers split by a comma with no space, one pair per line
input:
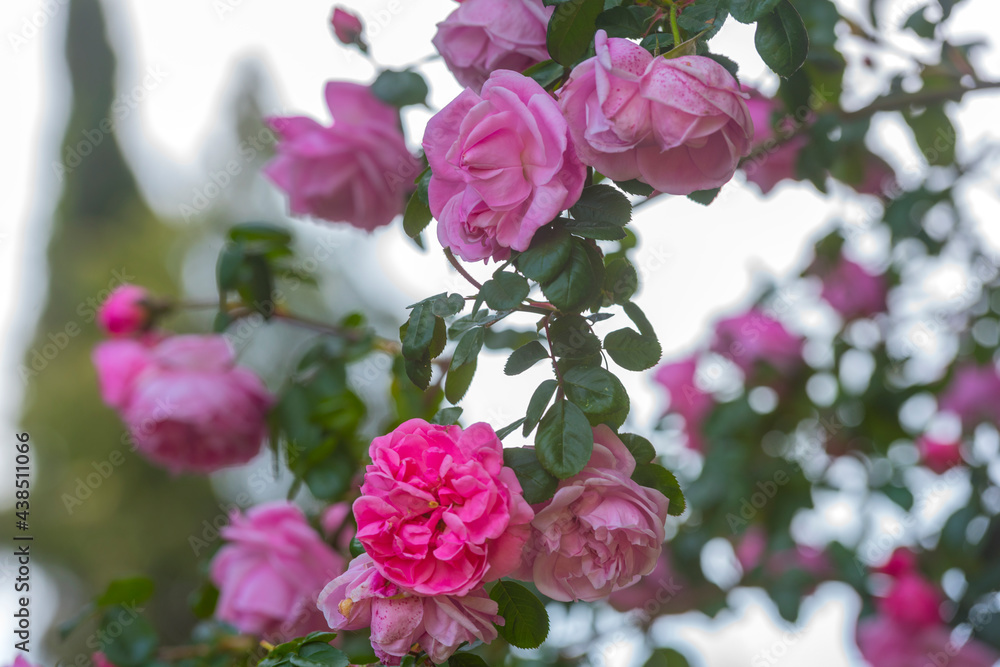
[538,485]
[419,331]
[356,547]
[666,657]
[571,30]
[468,347]
[626,22]
[545,73]
[641,448]
[400,89]
[594,390]
[549,252]
[571,338]
[509,428]
[571,289]
[919,24]
[702,16]
[505,291]
[704,197]
[935,135]
[260,232]
[536,406]
[525,357]
[751,11]
[458,380]
[203,600]
[602,204]
[131,590]
[635,314]
[227,270]
[782,40]
[620,280]
[419,370]
[319,654]
[447,416]
[526,624]
[135,645]
[633,351]
[657,477]
[635,187]
[466,660]
[417,215]
[564,441]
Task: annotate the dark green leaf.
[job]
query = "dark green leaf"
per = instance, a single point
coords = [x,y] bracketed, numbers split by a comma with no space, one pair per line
[633,351]
[935,135]
[919,24]
[136,643]
[228,268]
[419,331]
[571,338]
[538,485]
[635,187]
[571,289]
[526,624]
[782,40]
[416,216]
[626,22]
[447,416]
[704,197]
[356,547]
[593,389]
[400,89]
[549,252]
[468,347]
[571,30]
[536,406]
[704,15]
[657,477]
[509,428]
[419,371]
[131,590]
[466,660]
[564,441]
[751,11]
[203,600]
[545,73]
[458,380]
[525,357]
[602,204]
[639,319]
[620,280]
[666,657]
[505,291]
[641,448]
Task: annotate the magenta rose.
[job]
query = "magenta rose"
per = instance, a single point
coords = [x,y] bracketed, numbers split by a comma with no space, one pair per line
[363,598]
[940,455]
[125,312]
[887,643]
[502,165]
[678,125]
[686,399]
[902,561]
[21,661]
[600,532]
[912,601]
[356,170]
[188,406]
[482,36]
[752,338]
[271,571]
[776,152]
[439,512]
[853,292]
[346,26]
[972,395]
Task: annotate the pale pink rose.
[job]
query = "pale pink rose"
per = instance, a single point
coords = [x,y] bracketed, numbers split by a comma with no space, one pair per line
[686,399]
[940,455]
[440,513]
[356,170]
[972,395]
[754,337]
[776,150]
[662,591]
[751,548]
[502,165]
[854,292]
[125,312]
[187,406]
[346,26]
[271,571]
[678,125]
[482,36]
[901,562]
[912,601]
[600,532]
[362,598]
[338,524]
[886,643]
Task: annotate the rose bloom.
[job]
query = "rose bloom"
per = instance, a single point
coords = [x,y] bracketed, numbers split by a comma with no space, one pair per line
[271,571]
[686,399]
[600,532]
[101,660]
[678,125]
[482,36]
[887,643]
[902,561]
[940,455]
[440,513]
[346,26]
[356,170]
[912,601]
[754,337]
[778,155]
[853,292]
[124,312]
[21,661]
[362,598]
[187,405]
[972,395]
[502,165]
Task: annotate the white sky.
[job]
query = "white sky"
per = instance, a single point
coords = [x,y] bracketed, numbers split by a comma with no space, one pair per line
[696,262]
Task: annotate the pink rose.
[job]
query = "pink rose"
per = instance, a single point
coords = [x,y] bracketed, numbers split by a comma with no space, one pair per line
[21,661]
[125,312]
[662,591]
[679,125]
[482,36]
[972,395]
[362,598]
[940,455]
[338,525]
[600,532]
[101,660]
[912,601]
[853,292]
[502,166]
[271,571]
[886,643]
[754,337]
[776,155]
[751,548]
[187,406]
[440,513]
[357,170]
[686,399]
[902,561]
[346,26]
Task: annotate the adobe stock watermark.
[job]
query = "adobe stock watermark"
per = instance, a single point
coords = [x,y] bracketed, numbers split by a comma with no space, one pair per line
[34,23]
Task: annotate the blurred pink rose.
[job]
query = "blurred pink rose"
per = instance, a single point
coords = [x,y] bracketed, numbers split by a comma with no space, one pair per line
[21,661]
[853,292]
[271,571]
[187,406]
[750,548]
[972,395]
[877,179]
[940,455]
[502,165]
[777,153]
[362,598]
[101,660]
[601,531]
[902,561]
[440,513]
[678,125]
[125,312]
[755,337]
[886,643]
[356,170]
[912,601]
[338,524]
[686,399]
[662,591]
[482,36]
[346,26]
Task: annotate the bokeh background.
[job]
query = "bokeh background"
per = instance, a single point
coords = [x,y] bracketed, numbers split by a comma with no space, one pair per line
[120,118]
